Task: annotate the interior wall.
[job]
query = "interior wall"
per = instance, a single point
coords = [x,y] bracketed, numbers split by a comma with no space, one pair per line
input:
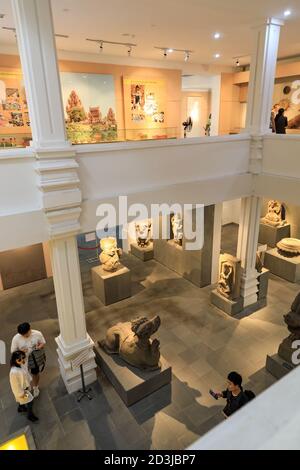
[230,106]
[204,99]
[195,266]
[171,77]
[292,216]
[231,212]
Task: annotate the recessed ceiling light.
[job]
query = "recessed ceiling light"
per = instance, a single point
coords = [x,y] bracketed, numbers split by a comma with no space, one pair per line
[217,35]
[217,56]
[170,50]
[287,12]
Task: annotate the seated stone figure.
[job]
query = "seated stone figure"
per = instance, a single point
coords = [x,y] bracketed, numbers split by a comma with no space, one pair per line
[292,320]
[177,228]
[110,256]
[275,215]
[143,233]
[131,340]
[225,284]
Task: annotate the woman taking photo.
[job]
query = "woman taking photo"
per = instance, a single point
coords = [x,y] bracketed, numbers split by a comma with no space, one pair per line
[20,384]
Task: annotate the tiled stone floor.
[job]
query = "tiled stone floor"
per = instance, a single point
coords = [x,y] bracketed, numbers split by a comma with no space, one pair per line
[201,343]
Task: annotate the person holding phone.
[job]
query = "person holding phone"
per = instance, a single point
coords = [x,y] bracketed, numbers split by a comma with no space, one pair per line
[28,341]
[20,384]
[234,394]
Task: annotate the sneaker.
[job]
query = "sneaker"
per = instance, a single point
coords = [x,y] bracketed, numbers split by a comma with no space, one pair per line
[36,392]
[33,418]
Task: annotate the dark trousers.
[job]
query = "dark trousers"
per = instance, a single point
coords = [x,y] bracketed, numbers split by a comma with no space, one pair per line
[28,407]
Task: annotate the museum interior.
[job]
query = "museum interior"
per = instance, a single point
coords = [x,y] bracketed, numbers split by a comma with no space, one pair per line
[150,222]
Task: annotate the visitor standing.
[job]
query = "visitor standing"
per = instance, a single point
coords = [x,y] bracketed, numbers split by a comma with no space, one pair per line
[20,383]
[234,394]
[32,344]
[281,122]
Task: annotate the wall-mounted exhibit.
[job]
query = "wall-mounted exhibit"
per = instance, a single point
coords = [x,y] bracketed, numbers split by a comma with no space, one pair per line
[287,96]
[111,280]
[131,360]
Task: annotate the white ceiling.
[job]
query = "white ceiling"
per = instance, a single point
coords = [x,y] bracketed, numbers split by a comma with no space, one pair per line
[186,24]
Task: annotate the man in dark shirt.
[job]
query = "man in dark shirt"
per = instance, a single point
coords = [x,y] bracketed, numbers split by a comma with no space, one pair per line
[234,394]
[281,122]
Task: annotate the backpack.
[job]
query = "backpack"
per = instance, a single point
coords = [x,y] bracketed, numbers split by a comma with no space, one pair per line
[249,394]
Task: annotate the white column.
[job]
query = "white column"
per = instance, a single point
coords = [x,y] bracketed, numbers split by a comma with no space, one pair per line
[57,180]
[262,77]
[36,42]
[247,247]
[216,243]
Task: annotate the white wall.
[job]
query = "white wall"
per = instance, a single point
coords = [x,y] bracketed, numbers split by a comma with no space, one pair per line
[282,155]
[203,83]
[231,212]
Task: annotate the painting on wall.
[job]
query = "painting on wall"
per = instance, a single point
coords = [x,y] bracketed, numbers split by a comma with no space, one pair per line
[14,119]
[144,107]
[89,104]
[287,96]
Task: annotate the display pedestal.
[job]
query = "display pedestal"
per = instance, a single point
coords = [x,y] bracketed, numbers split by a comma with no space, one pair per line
[111,287]
[145,254]
[270,236]
[287,268]
[263,282]
[232,307]
[277,366]
[131,383]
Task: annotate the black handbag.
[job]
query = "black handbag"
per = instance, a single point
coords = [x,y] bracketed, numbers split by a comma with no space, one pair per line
[37,360]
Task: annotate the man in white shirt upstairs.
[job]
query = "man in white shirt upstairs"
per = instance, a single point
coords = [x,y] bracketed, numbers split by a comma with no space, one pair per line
[28,340]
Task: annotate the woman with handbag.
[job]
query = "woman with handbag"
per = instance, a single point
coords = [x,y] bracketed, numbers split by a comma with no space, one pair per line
[32,343]
[20,383]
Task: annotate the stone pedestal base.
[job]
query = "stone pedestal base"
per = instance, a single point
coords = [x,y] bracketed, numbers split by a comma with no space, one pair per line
[145,254]
[263,282]
[111,287]
[270,236]
[232,307]
[132,384]
[287,268]
[277,366]
[72,378]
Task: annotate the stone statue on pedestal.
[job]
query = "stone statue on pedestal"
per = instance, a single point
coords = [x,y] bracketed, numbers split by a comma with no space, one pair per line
[275,215]
[131,340]
[225,284]
[292,319]
[177,228]
[110,256]
[229,277]
[143,233]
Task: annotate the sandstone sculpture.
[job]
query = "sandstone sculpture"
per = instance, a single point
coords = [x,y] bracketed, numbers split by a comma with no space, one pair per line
[289,247]
[275,215]
[292,320]
[229,277]
[177,228]
[143,233]
[131,340]
[110,256]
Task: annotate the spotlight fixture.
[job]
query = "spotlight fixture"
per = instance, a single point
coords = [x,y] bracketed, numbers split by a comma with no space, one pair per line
[167,50]
[128,45]
[287,13]
[217,56]
[237,63]
[217,35]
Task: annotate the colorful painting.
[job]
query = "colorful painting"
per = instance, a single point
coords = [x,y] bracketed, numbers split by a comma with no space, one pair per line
[144,106]
[89,104]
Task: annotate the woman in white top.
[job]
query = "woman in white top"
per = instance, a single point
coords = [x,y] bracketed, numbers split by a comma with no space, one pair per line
[27,340]
[20,383]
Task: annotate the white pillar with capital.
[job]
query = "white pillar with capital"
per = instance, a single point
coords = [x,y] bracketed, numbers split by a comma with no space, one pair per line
[247,247]
[57,179]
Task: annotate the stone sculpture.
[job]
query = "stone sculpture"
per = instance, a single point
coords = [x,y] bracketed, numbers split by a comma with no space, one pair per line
[110,256]
[292,320]
[131,340]
[177,228]
[229,277]
[275,215]
[289,247]
[143,233]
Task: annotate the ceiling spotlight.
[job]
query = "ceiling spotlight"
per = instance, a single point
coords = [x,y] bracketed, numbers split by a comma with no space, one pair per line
[129,51]
[287,12]
[237,64]
[165,53]
[101,46]
[217,56]
[217,35]
[186,56]
[170,50]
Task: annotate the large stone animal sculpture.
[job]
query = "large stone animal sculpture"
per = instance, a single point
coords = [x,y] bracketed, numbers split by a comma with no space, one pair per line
[292,320]
[131,340]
